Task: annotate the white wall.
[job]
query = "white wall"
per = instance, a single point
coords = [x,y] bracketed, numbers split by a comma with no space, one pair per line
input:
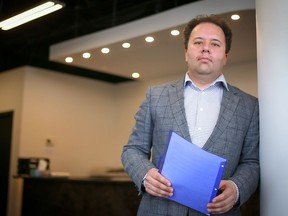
[77,114]
[272,45]
[243,76]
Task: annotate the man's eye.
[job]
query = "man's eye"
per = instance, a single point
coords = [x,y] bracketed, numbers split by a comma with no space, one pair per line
[197,42]
[215,44]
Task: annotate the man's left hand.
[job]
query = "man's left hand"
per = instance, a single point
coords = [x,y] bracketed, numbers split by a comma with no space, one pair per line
[224,201]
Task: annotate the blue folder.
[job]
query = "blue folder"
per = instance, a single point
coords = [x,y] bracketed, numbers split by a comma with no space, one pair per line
[194,173]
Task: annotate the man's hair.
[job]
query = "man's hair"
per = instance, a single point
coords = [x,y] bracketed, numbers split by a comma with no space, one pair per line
[217,20]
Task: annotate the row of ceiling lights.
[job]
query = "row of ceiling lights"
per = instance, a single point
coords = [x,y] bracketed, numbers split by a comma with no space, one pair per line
[126,45]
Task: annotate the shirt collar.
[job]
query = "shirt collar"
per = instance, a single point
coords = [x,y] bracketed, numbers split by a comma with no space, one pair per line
[220,80]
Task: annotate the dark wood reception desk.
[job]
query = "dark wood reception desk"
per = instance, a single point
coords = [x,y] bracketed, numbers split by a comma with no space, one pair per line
[48,196]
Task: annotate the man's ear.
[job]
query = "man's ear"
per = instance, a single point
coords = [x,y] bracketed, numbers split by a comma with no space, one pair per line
[226,59]
[185,53]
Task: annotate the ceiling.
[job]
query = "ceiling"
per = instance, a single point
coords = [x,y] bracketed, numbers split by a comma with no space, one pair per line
[29,44]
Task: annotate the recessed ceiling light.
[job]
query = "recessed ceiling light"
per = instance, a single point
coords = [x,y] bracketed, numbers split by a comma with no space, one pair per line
[69,59]
[105,50]
[175,32]
[86,55]
[135,75]
[126,45]
[149,39]
[235,17]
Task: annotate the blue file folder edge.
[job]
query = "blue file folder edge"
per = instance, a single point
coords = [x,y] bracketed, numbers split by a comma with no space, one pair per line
[194,173]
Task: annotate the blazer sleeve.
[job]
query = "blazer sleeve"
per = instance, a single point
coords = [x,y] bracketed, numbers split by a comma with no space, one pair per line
[137,152]
[246,175]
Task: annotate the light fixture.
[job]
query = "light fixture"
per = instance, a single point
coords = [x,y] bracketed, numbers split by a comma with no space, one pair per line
[149,39]
[235,17]
[135,75]
[175,32]
[126,45]
[31,14]
[86,55]
[105,50]
[69,59]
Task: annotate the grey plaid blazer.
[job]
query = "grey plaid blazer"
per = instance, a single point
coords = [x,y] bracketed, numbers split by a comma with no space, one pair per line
[235,137]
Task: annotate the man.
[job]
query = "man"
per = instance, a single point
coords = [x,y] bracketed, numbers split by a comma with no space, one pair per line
[205,110]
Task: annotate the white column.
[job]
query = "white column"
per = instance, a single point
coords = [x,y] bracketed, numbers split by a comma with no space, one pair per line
[272,57]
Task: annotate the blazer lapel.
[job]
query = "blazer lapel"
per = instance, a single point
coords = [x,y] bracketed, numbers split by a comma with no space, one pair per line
[228,106]
[177,106]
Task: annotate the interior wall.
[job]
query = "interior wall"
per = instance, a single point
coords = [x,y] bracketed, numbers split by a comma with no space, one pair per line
[11,88]
[76,114]
[243,76]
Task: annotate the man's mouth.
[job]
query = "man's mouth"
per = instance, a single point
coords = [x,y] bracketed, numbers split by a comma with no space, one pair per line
[204,59]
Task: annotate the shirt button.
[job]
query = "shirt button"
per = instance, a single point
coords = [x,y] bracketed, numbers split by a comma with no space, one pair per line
[201,109]
[199,128]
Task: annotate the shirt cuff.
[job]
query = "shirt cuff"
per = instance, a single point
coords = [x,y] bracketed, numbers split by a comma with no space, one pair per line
[237,191]
[144,181]
[143,186]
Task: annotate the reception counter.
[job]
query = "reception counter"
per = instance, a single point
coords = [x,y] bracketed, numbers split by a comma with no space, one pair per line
[50,196]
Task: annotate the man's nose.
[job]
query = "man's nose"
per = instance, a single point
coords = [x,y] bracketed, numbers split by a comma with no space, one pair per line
[206,48]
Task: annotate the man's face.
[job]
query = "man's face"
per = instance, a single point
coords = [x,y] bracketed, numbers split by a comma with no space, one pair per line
[205,54]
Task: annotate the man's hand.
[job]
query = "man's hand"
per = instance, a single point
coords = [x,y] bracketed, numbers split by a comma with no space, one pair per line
[157,185]
[226,200]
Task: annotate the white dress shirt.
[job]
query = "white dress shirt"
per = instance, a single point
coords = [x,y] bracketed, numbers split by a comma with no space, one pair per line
[202,108]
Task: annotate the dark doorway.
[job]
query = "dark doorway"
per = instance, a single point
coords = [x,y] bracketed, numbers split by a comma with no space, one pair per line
[6,121]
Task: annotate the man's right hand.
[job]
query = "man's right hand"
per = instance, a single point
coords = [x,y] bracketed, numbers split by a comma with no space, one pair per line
[157,185]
